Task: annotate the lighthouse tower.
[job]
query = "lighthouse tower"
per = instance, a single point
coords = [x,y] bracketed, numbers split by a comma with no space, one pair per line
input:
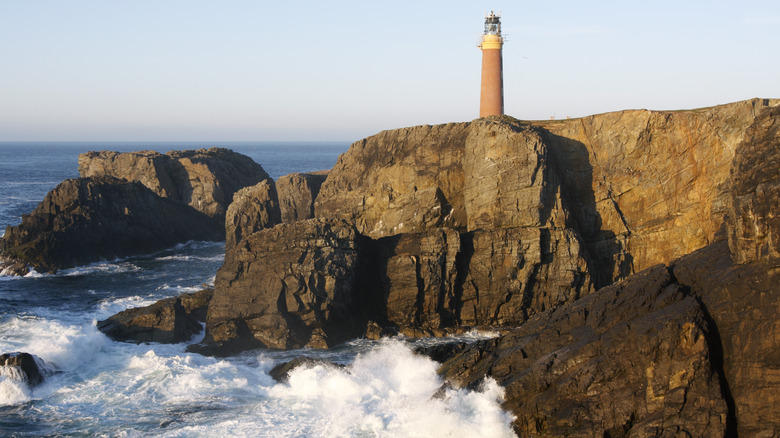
[491,99]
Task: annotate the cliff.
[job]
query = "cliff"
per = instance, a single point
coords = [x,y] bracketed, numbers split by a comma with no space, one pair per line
[493,221]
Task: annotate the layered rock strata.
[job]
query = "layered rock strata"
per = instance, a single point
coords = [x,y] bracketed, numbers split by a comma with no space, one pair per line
[204,179]
[85,220]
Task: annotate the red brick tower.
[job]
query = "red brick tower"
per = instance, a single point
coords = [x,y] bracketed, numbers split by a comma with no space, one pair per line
[491,99]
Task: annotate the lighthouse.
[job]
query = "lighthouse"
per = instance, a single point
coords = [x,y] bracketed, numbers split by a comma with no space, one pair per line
[491,98]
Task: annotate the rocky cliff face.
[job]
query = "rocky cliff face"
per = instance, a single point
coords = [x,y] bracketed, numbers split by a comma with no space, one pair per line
[646,187]
[493,221]
[203,179]
[85,220]
[287,287]
[755,180]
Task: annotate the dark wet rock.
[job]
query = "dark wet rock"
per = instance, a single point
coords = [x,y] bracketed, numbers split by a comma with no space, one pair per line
[742,301]
[86,220]
[281,372]
[23,366]
[442,352]
[168,321]
[630,359]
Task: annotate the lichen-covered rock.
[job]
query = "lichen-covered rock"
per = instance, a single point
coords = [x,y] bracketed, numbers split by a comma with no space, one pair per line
[633,359]
[204,179]
[253,208]
[168,321]
[286,287]
[297,192]
[85,220]
[754,207]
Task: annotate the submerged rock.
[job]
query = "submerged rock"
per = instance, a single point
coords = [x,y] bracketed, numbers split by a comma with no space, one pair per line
[86,220]
[168,321]
[23,366]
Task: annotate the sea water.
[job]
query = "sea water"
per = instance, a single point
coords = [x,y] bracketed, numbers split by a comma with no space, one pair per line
[97,387]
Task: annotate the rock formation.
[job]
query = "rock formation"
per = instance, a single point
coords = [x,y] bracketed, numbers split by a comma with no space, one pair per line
[23,366]
[633,359]
[168,321]
[493,221]
[297,192]
[647,187]
[85,220]
[286,287]
[203,179]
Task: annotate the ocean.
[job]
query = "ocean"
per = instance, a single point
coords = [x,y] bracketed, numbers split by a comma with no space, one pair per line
[102,388]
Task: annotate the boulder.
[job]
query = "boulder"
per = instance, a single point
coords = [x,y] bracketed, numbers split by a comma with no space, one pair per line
[204,179]
[168,321]
[632,359]
[86,220]
[23,366]
[297,192]
[253,208]
[754,207]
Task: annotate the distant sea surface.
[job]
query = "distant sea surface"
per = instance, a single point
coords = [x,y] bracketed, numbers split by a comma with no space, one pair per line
[98,387]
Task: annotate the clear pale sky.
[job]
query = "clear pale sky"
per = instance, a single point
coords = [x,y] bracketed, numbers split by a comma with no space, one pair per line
[230,70]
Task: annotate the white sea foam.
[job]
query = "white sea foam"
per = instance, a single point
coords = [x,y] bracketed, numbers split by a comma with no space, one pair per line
[63,346]
[111,306]
[389,392]
[105,267]
[13,391]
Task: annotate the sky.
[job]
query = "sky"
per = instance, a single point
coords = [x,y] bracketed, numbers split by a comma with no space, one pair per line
[241,70]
